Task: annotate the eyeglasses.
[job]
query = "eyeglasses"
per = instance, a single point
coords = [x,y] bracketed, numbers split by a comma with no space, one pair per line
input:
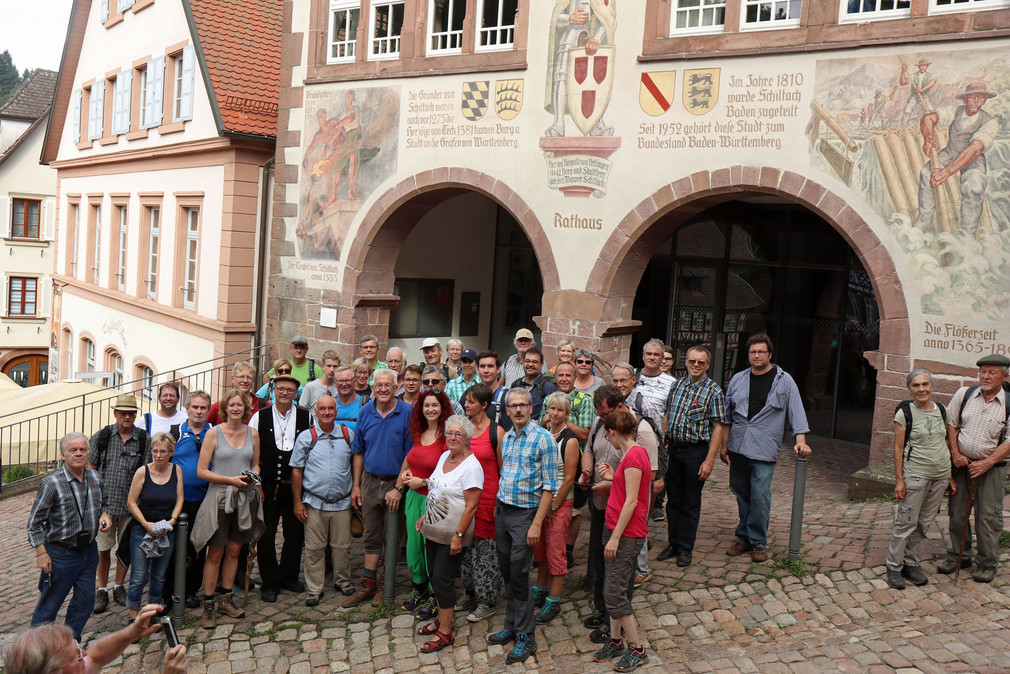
[300,347]
[583,361]
[382,387]
[286,389]
[80,656]
[455,434]
[431,382]
[518,406]
[345,381]
[283,371]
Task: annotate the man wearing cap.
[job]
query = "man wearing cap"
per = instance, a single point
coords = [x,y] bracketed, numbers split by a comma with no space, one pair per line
[117,451]
[971,131]
[278,426]
[977,437]
[467,378]
[920,84]
[513,368]
[303,368]
[432,350]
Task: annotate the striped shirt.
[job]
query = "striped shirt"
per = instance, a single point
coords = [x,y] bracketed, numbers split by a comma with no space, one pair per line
[529,466]
[458,386]
[64,506]
[980,428]
[582,413]
[693,408]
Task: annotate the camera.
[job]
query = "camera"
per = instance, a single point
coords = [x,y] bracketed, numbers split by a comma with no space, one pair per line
[169,629]
[252,477]
[83,539]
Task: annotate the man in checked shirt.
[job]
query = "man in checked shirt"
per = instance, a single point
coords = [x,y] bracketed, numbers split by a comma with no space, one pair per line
[697,413]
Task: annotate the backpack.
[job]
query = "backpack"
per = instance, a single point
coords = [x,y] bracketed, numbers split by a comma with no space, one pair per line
[493,434]
[105,437]
[906,409]
[1006,401]
[315,438]
[312,370]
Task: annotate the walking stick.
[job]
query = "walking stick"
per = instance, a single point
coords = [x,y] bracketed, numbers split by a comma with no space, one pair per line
[964,527]
[252,564]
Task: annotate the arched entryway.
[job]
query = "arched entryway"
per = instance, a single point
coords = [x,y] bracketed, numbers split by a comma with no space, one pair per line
[27,369]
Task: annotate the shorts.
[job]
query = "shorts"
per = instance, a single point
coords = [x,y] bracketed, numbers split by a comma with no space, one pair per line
[228,531]
[551,546]
[374,510]
[107,539]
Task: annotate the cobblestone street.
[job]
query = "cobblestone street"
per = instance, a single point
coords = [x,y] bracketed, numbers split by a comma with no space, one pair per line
[829,611]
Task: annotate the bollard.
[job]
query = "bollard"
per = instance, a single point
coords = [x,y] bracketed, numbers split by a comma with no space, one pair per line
[179,592]
[392,552]
[799,494]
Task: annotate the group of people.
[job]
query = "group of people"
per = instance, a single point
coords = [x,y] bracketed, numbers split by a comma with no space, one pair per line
[490,467]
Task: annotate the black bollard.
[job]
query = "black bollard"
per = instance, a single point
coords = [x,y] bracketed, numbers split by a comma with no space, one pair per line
[799,494]
[179,593]
[392,553]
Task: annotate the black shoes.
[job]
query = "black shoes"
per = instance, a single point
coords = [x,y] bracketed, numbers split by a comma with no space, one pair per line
[295,586]
[269,595]
[914,575]
[669,552]
[684,559]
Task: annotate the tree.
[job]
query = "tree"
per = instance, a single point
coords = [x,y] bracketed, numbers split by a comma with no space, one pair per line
[9,78]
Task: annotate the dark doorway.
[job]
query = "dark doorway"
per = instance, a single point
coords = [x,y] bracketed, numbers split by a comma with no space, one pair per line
[741,268]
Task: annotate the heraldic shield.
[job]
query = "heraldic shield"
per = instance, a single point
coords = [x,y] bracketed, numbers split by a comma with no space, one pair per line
[701,90]
[590,83]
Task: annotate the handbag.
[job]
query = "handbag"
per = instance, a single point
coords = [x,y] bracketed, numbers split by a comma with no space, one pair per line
[441,517]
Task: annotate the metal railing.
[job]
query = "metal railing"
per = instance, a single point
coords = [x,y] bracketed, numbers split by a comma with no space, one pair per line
[29,438]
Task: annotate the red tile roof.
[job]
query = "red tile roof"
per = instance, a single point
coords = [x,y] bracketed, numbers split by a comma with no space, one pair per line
[32,99]
[241,45]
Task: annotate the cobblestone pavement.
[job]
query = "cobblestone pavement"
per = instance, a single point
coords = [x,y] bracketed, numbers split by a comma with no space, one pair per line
[719,615]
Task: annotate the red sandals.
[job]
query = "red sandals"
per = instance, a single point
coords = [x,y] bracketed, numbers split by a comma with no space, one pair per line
[439,642]
[428,629]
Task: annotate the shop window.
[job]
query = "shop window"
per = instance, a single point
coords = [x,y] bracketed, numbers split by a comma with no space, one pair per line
[425,308]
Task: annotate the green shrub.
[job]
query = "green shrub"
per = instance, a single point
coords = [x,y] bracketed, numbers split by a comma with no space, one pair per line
[18,472]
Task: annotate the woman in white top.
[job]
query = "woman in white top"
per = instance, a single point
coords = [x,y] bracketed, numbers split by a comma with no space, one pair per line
[454,489]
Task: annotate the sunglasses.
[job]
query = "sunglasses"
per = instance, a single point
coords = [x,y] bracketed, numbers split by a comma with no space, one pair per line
[283,371]
[583,361]
[431,382]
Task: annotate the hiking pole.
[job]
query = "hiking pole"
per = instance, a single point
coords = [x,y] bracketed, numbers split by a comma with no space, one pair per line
[964,527]
[248,572]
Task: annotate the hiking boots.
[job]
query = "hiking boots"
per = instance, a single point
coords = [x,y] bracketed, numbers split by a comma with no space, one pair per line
[738,548]
[949,564]
[984,574]
[101,601]
[914,575]
[759,554]
[226,606]
[365,591]
[208,621]
[119,594]
[895,580]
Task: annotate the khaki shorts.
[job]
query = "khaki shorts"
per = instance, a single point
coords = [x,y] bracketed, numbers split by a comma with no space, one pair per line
[228,531]
[107,539]
[373,511]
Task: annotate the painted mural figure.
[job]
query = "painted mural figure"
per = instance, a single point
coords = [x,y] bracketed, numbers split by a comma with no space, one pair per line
[575,24]
[920,84]
[335,150]
[971,132]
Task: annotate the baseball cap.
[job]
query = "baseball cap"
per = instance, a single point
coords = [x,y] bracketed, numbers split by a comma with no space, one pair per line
[430,342]
[468,354]
[523,333]
[300,339]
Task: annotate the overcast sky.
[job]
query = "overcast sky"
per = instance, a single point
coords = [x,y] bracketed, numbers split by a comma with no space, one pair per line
[34,31]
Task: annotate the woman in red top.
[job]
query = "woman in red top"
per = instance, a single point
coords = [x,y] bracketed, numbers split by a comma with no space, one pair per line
[427,430]
[626,519]
[482,579]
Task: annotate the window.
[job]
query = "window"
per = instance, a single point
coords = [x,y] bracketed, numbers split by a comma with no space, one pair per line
[121,98]
[21,296]
[89,355]
[191,257]
[387,22]
[121,250]
[25,220]
[343,27]
[67,354]
[114,363]
[124,5]
[697,16]
[182,97]
[96,241]
[96,110]
[967,5]
[151,90]
[425,308]
[497,24]
[153,244]
[771,13]
[104,11]
[75,218]
[445,26]
[146,376]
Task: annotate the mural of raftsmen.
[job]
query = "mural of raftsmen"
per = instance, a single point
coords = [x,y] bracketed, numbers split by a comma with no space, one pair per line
[971,132]
[920,84]
[575,24]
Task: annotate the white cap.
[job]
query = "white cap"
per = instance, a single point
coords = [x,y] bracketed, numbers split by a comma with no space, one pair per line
[429,342]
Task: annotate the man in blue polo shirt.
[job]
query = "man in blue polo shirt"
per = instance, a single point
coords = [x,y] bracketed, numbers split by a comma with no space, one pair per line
[380,444]
[529,478]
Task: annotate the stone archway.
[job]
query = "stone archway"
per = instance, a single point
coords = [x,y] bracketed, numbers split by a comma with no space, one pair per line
[371,256]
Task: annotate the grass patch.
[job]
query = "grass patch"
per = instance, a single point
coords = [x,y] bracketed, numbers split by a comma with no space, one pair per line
[795,567]
[1004,539]
[888,497]
[384,610]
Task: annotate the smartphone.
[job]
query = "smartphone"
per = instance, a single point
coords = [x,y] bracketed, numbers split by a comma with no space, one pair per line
[169,629]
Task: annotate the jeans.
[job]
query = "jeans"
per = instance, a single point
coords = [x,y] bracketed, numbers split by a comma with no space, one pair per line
[141,566]
[683,490]
[751,483]
[72,570]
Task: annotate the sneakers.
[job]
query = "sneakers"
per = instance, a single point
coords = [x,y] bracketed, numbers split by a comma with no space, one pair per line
[226,606]
[914,575]
[550,611]
[482,612]
[984,574]
[427,610]
[414,600]
[539,597]
[610,650]
[119,594]
[759,554]
[738,548]
[631,660]
[502,637]
[641,579]
[894,579]
[101,601]
[313,599]
[600,635]
[208,621]
[658,514]
[465,602]
[524,648]
[192,601]
[949,564]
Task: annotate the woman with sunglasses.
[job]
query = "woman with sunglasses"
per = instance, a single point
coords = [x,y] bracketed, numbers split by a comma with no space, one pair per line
[585,379]
[266,392]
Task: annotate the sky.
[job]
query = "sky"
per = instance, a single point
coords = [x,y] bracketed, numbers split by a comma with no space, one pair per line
[34,31]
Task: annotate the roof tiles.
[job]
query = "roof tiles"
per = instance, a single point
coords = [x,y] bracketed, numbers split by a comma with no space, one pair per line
[32,99]
[241,44]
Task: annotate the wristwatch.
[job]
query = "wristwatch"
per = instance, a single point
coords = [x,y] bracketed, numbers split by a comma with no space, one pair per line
[402,490]
[459,534]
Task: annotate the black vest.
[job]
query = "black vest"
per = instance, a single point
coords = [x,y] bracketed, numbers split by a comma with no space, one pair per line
[274,466]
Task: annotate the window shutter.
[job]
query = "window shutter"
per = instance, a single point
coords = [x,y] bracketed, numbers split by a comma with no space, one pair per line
[44,297]
[76,96]
[186,84]
[105,11]
[50,219]
[96,123]
[6,296]
[121,103]
[125,5]
[154,92]
[5,217]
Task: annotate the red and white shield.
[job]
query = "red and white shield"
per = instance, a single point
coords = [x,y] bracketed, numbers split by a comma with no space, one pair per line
[590,83]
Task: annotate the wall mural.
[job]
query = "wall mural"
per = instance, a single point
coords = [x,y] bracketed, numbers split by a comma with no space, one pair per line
[925,139]
[349,148]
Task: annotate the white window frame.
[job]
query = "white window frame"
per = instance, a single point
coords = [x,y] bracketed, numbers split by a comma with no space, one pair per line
[147,390]
[96,110]
[873,14]
[117,369]
[121,266]
[389,38]
[97,268]
[153,254]
[450,39]
[123,5]
[500,27]
[104,11]
[121,102]
[153,89]
[969,6]
[770,24]
[89,355]
[347,46]
[191,257]
[700,11]
[182,98]
[77,238]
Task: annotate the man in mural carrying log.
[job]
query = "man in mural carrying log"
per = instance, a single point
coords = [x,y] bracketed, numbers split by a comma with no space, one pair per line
[971,132]
[920,83]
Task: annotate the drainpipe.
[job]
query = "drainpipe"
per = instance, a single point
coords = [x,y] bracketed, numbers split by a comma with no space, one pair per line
[261,264]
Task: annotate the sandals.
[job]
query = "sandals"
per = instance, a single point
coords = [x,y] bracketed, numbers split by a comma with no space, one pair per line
[428,629]
[439,642]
